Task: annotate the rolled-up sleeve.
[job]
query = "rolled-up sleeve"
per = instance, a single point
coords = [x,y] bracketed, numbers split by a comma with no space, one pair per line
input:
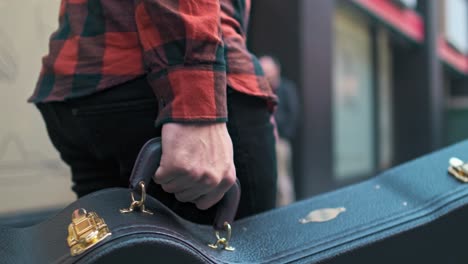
[184,57]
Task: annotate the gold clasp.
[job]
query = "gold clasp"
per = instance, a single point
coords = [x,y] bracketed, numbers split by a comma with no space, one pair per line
[137,204]
[85,231]
[223,241]
[458,169]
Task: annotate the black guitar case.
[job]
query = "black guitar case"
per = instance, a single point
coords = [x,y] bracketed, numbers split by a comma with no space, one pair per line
[414,213]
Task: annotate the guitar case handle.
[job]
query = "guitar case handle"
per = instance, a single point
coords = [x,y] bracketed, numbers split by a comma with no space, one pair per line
[148,162]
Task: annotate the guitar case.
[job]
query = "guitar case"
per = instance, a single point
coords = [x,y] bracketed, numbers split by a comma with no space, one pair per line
[413,213]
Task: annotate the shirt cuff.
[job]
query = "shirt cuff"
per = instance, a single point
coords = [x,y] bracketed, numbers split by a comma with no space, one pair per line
[190,94]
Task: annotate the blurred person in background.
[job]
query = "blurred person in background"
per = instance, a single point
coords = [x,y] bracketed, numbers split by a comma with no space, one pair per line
[286,118]
[119,73]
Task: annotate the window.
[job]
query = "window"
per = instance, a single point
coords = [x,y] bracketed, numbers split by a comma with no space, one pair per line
[411,4]
[353,120]
[456,24]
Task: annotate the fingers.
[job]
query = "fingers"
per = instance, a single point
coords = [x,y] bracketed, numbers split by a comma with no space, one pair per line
[162,176]
[208,200]
[189,195]
[204,193]
[179,184]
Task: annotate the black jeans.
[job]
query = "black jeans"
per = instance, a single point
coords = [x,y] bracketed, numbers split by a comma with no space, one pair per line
[99,137]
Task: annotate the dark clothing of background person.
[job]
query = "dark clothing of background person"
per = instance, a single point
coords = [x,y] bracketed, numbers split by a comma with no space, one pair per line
[287,112]
[286,118]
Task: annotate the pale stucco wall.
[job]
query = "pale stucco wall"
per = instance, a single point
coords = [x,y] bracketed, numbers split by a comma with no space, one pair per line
[31,174]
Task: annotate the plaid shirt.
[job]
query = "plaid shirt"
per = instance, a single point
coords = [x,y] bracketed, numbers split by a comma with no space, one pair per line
[189,51]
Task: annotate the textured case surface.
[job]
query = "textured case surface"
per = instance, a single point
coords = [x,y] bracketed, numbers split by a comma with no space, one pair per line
[414,213]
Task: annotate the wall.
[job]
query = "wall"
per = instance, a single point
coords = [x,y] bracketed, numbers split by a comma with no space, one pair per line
[31,173]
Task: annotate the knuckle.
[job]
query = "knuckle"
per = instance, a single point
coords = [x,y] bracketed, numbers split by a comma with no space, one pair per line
[178,166]
[195,172]
[167,188]
[230,178]
[179,163]
[158,176]
[203,205]
[210,181]
[209,200]
[181,198]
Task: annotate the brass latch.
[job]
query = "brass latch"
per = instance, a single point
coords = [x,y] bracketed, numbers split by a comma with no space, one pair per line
[85,231]
[458,169]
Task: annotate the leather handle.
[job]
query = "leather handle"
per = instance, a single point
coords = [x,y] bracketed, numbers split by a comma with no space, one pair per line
[146,165]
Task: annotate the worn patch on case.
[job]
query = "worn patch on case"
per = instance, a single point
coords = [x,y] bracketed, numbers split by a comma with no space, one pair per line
[322,215]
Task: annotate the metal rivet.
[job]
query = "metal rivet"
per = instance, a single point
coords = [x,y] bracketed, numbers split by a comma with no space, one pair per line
[405,203]
[377,187]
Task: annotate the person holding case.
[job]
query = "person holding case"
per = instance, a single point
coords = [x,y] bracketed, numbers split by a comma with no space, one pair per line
[121,72]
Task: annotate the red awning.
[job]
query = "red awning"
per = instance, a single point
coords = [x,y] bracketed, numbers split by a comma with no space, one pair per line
[406,21]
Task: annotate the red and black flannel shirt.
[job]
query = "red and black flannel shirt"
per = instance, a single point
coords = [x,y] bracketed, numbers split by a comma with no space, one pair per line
[189,51]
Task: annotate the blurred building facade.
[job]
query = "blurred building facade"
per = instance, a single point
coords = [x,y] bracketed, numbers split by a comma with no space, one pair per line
[381,81]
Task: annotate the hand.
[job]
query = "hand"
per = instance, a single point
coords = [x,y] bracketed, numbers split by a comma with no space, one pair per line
[197,163]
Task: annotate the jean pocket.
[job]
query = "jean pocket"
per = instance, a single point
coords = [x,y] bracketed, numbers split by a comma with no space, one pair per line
[116,108]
